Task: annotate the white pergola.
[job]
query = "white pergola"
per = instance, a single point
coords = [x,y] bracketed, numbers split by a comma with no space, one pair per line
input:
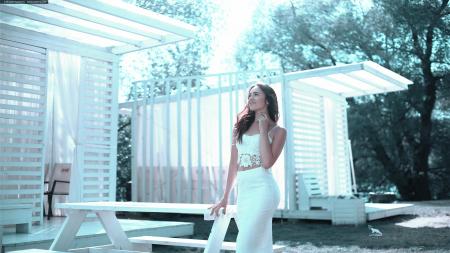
[86,38]
[318,154]
[112,26]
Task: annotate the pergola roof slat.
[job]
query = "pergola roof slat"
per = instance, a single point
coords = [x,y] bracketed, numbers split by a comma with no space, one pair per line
[368,81]
[347,84]
[110,23]
[146,44]
[63,24]
[324,71]
[386,74]
[139,15]
[350,80]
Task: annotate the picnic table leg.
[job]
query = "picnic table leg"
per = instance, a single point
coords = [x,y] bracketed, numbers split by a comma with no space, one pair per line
[217,235]
[113,229]
[23,228]
[66,235]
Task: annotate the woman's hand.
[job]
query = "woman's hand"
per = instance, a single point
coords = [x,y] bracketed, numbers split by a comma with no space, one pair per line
[221,204]
[263,122]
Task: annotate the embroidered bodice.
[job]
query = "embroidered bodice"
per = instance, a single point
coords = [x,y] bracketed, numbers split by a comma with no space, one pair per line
[248,151]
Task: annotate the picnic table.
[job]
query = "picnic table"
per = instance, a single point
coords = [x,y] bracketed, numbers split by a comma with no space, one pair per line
[105,211]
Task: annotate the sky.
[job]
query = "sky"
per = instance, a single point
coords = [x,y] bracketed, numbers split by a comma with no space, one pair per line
[238,19]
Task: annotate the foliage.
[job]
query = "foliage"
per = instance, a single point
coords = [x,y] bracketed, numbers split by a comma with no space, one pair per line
[398,138]
[123,158]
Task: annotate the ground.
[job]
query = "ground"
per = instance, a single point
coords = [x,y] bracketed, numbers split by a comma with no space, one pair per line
[425,229]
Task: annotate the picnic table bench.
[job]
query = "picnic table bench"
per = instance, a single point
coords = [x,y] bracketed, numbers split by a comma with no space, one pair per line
[105,211]
[16,214]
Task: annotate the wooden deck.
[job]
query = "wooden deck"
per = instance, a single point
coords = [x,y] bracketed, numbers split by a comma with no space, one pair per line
[91,232]
[377,211]
[374,211]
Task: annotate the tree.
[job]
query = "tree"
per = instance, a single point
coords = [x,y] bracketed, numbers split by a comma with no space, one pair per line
[391,133]
[123,159]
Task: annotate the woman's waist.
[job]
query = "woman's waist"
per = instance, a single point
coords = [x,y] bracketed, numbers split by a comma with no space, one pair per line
[248,161]
[246,167]
[257,178]
[250,172]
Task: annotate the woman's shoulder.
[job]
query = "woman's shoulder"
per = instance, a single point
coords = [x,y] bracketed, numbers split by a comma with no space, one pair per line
[278,128]
[278,131]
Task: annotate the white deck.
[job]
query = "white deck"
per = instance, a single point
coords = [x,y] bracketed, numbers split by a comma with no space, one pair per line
[377,211]
[374,211]
[91,232]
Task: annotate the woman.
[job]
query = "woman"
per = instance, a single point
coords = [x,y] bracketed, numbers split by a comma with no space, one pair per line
[257,143]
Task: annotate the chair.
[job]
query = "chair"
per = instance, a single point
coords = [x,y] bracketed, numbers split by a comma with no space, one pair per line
[309,193]
[46,182]
[58,184]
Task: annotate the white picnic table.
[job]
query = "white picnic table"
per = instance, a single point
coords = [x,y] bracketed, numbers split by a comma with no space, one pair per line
[105,211]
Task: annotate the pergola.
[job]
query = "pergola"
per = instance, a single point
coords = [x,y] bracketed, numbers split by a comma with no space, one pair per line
[60,61]
[110,26]
[319,155]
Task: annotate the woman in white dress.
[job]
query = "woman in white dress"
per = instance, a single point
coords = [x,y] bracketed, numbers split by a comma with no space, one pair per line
[257,143]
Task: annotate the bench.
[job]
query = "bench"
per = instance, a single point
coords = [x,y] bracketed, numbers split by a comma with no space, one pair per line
[345,210]
[309,193]
[16,214]
[185,242]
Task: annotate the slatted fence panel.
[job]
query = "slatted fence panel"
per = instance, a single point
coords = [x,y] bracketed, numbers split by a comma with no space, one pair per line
[309,143]
[23,100]
[342,163]
[98,110]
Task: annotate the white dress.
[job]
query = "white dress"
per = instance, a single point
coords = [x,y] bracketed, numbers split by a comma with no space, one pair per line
[257,199]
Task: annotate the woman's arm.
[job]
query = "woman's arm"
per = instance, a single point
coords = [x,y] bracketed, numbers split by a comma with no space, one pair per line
[232,170]
[271,152]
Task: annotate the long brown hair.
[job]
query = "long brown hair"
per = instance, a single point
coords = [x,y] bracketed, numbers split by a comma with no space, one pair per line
[246,117]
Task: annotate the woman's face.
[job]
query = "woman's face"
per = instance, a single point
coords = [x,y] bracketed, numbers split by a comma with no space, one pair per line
[256,99]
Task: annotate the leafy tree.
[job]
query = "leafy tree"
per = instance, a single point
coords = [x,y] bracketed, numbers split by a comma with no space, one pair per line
[396,137]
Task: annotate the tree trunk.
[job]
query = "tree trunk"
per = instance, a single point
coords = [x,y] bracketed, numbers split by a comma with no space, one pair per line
[420,188]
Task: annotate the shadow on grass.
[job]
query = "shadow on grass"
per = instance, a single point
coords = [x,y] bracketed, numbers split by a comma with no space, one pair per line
[321,236]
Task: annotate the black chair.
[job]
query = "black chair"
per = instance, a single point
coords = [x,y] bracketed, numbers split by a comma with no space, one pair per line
[58,184]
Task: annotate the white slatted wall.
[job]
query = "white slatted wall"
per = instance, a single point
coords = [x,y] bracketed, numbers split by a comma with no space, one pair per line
[308,137]
[319,144]
[97,149]
[343,179]
[23,99]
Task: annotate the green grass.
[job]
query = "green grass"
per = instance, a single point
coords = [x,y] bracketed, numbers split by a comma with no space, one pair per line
[320,236]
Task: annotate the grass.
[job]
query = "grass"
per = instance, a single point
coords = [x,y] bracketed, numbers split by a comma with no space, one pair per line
[426,229]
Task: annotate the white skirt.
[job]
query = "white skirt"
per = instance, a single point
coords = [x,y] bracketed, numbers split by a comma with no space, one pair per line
[257,199]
